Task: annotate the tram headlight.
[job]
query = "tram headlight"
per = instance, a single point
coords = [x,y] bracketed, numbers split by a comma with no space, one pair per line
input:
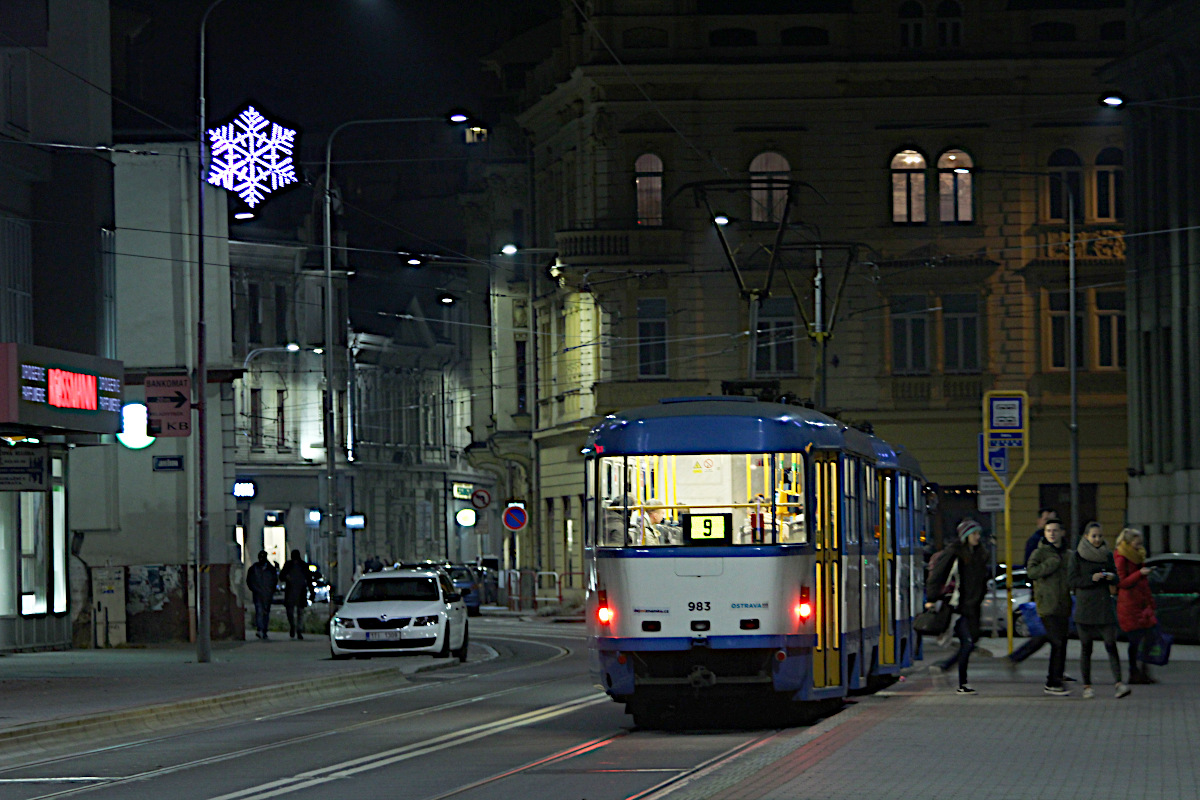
[604,614]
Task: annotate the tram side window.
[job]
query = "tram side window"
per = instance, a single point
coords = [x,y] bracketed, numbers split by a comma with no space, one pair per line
[850,498]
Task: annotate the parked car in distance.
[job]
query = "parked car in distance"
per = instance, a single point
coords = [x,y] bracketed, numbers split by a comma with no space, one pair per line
[993,602]
[1175,582]
[406,610]
[468,585]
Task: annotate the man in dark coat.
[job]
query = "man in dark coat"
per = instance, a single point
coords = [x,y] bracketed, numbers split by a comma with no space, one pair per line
[260,580]
[1047,568]
[297,583]
[1034,643]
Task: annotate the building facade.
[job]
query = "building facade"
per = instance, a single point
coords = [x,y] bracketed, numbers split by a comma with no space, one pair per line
[868,206]
[1160,80]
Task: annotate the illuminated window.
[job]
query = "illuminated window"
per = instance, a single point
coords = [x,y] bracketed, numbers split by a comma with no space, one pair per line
[35,553]
[769,174]
[1066,185]
[949,24]
[648,179]
[910,335]
[652,338]
[908,187]
[912,25]
[1110,175]
[954,187]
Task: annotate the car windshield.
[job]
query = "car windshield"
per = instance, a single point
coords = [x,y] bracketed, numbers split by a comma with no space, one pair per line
[414,588]
[460,574]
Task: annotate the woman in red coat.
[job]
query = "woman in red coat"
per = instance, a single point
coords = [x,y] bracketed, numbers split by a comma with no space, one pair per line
[1135,603]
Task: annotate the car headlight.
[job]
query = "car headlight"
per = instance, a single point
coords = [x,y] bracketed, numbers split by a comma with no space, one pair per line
[425,620]
[343,622]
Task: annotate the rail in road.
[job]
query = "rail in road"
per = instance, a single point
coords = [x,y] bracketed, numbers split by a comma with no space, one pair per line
[520,719]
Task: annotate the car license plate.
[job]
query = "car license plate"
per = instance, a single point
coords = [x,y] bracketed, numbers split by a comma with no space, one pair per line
[383,636]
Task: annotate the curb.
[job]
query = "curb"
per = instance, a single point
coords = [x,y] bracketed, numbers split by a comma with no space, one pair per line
[210,707]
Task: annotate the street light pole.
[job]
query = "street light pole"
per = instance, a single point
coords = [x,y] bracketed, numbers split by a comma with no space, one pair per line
[203,623]
[329,421]
[1073,423]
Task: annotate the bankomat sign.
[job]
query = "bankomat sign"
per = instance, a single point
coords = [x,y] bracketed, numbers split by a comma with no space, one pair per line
[45,388]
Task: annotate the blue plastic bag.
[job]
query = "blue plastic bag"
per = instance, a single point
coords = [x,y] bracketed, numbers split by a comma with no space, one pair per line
[1033,622]
[1155,647]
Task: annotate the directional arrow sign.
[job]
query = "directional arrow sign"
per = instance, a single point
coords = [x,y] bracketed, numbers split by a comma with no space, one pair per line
[168,404]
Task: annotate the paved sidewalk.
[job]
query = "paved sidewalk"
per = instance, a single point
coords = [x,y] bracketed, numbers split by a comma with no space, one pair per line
[921,741]
[54,693]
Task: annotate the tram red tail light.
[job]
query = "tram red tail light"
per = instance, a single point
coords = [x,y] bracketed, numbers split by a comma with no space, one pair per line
[804,608]
[604,614]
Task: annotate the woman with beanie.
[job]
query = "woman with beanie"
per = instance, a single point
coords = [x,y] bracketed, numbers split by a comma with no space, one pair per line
[1135,603]
[969,558]
[1090,572]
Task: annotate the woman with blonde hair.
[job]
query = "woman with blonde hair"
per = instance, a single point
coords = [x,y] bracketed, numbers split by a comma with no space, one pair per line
[1135,603]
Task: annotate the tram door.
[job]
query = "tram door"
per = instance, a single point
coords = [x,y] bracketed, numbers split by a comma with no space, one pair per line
[887,569]
[827,655]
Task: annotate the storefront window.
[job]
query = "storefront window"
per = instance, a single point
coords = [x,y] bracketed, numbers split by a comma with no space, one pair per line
[34,553]
[59,521]
[8,553]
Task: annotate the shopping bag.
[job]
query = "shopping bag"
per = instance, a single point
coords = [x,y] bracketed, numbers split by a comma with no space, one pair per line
[1033,622]
[1155,647]
[933,621]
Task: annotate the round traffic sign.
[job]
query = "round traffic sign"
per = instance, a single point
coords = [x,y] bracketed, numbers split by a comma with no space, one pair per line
[515,517]
[481,498]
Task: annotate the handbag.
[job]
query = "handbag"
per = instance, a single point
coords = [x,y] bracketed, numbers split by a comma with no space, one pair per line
[933,621]
[1033,622]
[1155,647]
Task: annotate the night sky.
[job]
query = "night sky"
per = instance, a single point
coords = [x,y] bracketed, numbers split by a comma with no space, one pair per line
[315,64]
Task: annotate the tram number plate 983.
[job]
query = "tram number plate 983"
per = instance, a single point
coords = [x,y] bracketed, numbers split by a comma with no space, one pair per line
[709,529]
[703,605]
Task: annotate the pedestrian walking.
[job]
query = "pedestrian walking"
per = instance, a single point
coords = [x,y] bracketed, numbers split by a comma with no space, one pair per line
[1033,643]
[261,580]
[1047,568]
[1092,573]
[1135,603]
[297,583]
[966,563]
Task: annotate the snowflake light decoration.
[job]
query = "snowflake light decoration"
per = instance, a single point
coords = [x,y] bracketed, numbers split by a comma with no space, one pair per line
[252,156]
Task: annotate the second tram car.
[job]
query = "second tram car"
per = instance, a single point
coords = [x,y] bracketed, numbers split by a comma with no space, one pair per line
[747,551]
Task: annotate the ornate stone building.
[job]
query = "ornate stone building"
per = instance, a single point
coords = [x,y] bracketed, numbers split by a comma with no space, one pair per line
[728,186]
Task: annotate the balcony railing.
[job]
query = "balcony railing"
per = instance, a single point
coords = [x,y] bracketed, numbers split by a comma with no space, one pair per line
[650,245]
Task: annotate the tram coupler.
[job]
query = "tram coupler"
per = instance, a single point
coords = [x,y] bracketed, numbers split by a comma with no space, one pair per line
[701,677]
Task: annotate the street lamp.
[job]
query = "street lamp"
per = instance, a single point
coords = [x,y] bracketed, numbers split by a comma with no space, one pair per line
[453,117]
[1072,366]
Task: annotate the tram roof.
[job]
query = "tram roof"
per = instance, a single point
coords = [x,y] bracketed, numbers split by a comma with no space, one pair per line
[888,456]
[722,425]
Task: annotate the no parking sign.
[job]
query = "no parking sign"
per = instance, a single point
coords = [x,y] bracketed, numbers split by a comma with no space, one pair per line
[515,517]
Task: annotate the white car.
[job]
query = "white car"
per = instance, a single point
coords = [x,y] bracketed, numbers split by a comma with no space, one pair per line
[993,604]
[407,610]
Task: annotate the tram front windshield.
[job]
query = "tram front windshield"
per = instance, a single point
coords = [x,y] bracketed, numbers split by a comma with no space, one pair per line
[716,499]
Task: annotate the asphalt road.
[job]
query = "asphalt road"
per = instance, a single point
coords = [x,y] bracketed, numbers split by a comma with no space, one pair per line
[520,719]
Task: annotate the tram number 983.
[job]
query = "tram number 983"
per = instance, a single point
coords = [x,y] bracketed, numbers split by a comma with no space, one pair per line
[703,605]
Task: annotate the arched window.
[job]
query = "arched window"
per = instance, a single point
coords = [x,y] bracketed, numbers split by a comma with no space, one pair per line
[1066,185]
[912,25]
[949,24]
[1110,179]
[769,173]
[908,187]
[954,187]
[804,36]
[732,37]
[648,178]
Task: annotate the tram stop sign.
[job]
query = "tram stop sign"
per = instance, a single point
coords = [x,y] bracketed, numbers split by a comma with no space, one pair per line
[515,517]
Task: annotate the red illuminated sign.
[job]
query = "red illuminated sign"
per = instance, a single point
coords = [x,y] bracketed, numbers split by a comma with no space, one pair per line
[71,389]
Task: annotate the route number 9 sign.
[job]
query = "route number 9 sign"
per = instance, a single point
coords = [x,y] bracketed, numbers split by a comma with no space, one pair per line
[707,529]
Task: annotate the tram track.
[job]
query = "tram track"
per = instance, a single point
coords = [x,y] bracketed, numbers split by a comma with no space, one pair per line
[96,782]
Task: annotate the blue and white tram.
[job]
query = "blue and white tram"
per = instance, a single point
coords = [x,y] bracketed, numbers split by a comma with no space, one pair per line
[746,550]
